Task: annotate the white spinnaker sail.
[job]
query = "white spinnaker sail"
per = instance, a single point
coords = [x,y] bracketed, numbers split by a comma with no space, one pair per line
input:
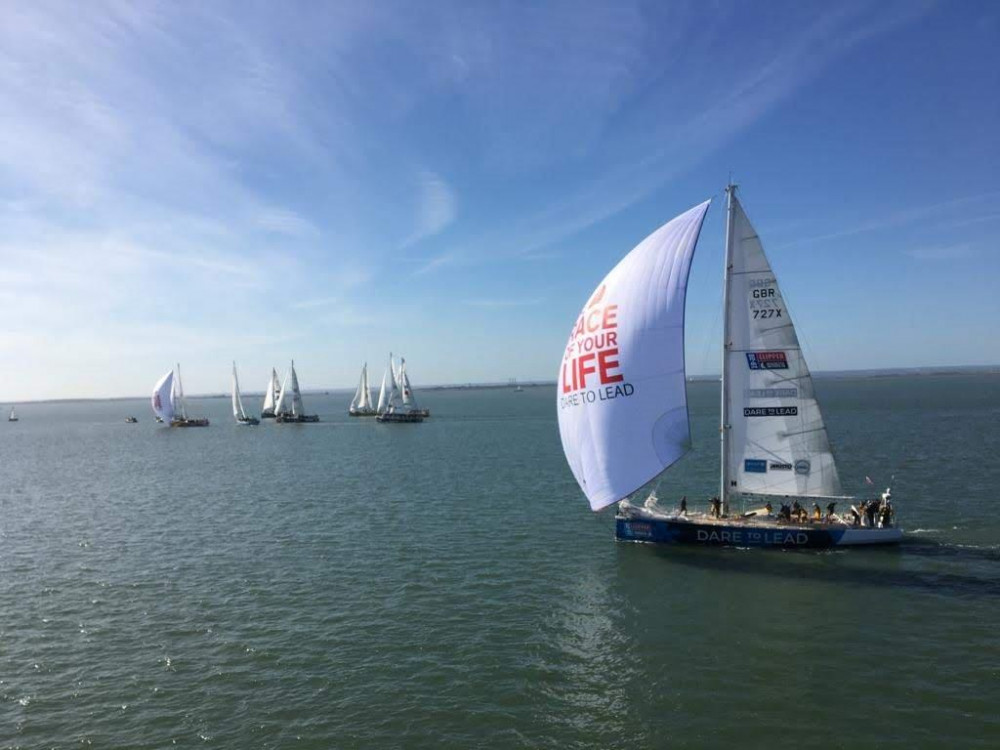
[404,386]
[280,406]
[270,393]
[622,400]
[297,409]
[777,442]
[163,402]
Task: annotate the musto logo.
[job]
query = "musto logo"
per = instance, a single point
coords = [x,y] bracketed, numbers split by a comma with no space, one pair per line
[590,368]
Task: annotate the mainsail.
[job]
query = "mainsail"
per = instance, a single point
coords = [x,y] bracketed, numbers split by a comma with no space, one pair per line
[622,400]
[409,400]
[279,405]
[776,442]
[388,394]
[296,394]
[162,400]
[362,397]
[237,399]
[179,394]
[270,393]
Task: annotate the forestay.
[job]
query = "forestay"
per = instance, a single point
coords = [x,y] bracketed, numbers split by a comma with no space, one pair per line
[777,442]
[622,400]
[162,400]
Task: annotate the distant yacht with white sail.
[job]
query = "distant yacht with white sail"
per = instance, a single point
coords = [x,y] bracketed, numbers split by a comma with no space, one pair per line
[623,416]
[12,417]
[361,404]
[270,396]
[406,392]
[169,404]
[238,412]
[289,408]
[391,408]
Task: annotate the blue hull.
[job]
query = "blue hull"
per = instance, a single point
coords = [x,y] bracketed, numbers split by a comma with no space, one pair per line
[667,531]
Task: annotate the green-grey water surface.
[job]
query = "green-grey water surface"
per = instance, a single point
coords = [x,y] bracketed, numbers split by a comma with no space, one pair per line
[350,584]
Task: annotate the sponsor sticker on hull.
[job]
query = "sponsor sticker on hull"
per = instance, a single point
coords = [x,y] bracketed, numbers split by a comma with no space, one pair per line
[767,361]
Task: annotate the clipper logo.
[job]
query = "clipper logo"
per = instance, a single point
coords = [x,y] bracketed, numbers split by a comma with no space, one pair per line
[767,361]
[755,466]
[803,467]
[770,411]
[590,366]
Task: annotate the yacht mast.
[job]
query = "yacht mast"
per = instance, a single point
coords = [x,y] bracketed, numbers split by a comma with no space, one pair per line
[724,426]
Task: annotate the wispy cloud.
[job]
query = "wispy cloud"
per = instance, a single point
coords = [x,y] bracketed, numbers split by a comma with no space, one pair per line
[436,208]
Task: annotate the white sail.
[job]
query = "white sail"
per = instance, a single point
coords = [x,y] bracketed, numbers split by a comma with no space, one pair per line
[270,393]
[776,443]
[297,409]
[387,389]
[179,404]
[238,411]
[409,400]
[280,405]
[366,391]
[162,400]
[621,398]
[362,398]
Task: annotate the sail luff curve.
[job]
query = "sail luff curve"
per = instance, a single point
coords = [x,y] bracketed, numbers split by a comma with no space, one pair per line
[622,400]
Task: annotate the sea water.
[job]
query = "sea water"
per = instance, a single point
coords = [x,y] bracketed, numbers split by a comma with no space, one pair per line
[351,584]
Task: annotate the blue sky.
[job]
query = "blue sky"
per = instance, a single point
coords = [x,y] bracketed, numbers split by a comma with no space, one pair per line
[203,182]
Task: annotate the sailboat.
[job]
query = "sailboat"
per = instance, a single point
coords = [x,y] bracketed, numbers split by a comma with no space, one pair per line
[623,417]
[238,412]
[293,412]
[163,398]
[169,394]
[390,405]
[406,391]
[361,404]
[270,396]
[12,417]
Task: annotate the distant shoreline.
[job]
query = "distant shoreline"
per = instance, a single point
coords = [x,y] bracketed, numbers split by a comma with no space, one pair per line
[825,375]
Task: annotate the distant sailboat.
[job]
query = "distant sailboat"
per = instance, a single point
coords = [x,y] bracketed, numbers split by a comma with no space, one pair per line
[270,396]
[168,402]
[390,405]
[294,412]
[12,417]
[406,391]
[238,412]
[623,416]
[361,405]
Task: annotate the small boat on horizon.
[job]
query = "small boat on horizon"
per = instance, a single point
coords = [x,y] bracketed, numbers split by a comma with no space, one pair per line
[361,404]
[623,414]
[238,412]
[293,412]
[12,417]
[131,420]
